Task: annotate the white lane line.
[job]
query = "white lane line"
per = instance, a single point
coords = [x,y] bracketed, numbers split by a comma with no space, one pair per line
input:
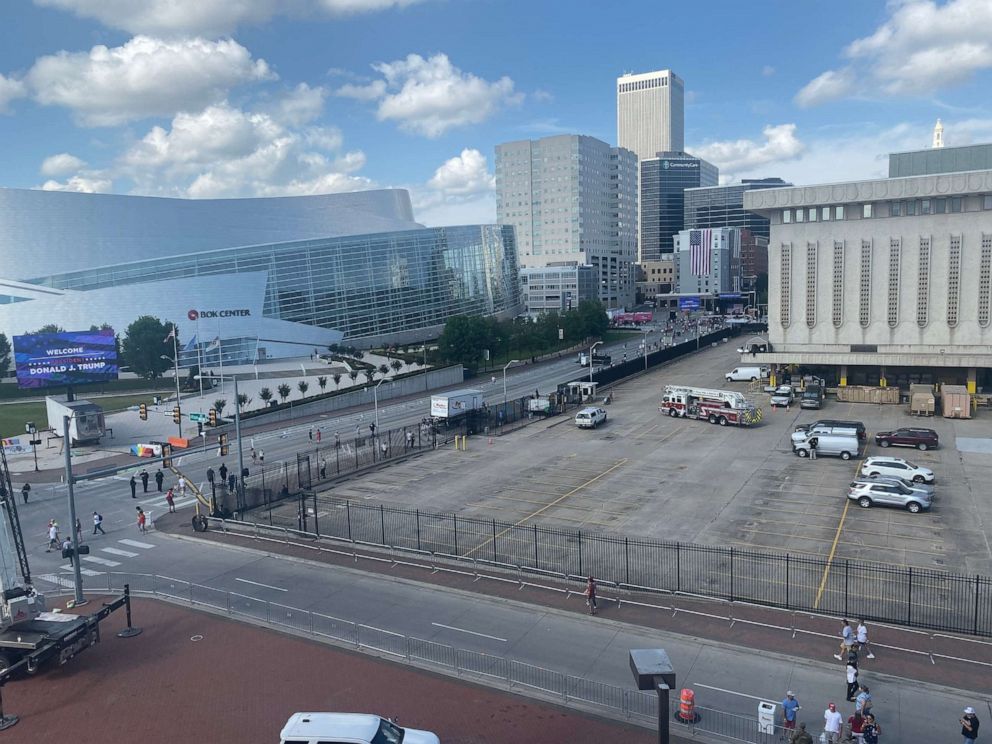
[470,632]
[729,692]
[136,544]
[116,551]
[83,571]
[264,586]
[101,561]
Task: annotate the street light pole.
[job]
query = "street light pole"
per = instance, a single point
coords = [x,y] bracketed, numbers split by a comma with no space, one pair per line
[375,402]
[645,342]
[77,575]
[512,361]
[591,352]
[237,435]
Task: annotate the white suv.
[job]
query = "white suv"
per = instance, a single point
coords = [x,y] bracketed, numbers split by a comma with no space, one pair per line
[898,467]
[349,728]
[590,418]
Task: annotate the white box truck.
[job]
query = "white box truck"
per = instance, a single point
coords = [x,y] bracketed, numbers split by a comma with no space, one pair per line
[86,422]
[455,403]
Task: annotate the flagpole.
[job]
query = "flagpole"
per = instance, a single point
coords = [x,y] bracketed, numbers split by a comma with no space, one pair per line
[199,362]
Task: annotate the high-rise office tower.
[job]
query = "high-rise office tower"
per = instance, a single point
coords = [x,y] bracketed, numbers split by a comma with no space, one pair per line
[651,113]
[663,181]
[572,198]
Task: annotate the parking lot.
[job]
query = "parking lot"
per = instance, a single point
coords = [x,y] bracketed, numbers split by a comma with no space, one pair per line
[644,474]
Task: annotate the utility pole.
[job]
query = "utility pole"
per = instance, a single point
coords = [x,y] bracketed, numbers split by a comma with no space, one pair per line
[77,573]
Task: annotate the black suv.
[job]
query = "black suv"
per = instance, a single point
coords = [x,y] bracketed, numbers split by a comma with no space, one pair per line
[922,439]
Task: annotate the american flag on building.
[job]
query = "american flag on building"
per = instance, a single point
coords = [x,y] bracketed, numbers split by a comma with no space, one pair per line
[700,251]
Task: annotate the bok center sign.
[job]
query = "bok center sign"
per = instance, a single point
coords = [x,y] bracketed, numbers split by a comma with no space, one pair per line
[227,313]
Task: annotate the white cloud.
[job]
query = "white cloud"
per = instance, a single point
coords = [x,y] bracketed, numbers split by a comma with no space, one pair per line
[81,183]
[767,70]
[463,175]
[461,191]
[430,96]
[144,77]
[61,164]
[923,47]
[301,105]
[224,151]
[207,17]
[9,90]
[737,156]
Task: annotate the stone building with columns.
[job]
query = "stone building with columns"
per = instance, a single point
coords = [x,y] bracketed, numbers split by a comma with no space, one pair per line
[882,282]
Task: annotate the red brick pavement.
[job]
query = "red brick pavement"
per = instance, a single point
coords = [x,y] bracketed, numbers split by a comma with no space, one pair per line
[240,683]
[816,639]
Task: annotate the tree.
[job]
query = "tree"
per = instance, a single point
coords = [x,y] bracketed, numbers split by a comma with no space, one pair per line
[51,328]
[322,382]
[243,400]
[303,386]
[594,319]
[396,364]
[219,405]
[265,394]
[383,370]
[369,374]
[337,379]
[145,343]
[4,354]
[353,374]
[463,339]
[284,391]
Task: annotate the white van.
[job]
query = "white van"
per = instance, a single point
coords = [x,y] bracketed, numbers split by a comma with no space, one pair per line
[844,446]
[590,418]
[741,374]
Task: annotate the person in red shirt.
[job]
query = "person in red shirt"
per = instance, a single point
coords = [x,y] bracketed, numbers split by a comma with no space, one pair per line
[856,722]
[141,520]
[170,500]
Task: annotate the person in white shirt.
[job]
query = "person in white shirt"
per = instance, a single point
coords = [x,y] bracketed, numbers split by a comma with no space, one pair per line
[863,638]
[53,536]
[832,723]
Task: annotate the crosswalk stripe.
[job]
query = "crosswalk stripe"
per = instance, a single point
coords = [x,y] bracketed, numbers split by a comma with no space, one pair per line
[83,571]
[117,551]
[101,561]
[136,544]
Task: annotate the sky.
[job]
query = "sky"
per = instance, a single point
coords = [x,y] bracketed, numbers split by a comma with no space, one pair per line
[235,98]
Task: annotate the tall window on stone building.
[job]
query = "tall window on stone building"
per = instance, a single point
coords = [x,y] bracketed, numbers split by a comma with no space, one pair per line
[837,308]
[864,294]
[785,285]
[985,281]
[811,284]
[953,280]
[923,285]
[895,254]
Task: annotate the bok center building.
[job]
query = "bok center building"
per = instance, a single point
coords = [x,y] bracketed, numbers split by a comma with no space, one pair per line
[267,277]
[882,282]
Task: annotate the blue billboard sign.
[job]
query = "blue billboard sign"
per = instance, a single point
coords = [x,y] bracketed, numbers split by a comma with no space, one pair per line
[689,303]
[65,358]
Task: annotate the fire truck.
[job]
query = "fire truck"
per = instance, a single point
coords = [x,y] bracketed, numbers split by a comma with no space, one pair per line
[721,407]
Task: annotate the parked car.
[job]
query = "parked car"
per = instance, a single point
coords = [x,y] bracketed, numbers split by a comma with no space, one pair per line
[349,728]
[888,493]
[590,418]
[862,432]
[783,396]
[922,439]
[898,467]
[921,487]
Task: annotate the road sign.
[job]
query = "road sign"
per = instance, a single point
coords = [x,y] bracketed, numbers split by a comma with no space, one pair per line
[198,418]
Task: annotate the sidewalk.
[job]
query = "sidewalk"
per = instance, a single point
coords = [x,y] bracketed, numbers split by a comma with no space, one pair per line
[731,664]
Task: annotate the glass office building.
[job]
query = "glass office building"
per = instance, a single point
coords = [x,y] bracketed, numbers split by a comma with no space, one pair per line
[664,180]
[282,298]
[723,206]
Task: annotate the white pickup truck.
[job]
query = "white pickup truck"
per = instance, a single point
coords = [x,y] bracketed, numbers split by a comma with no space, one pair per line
[590,418]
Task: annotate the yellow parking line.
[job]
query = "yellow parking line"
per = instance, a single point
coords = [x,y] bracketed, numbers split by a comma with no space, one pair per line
[840,526]
[544,508]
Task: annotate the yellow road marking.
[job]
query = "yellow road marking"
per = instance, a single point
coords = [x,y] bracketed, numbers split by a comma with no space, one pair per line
[548,506]
[840,526]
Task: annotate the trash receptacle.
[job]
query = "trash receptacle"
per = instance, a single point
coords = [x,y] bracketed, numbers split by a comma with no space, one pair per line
[766,717]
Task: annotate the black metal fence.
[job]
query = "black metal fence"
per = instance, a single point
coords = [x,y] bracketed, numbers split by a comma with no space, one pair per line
[910,596]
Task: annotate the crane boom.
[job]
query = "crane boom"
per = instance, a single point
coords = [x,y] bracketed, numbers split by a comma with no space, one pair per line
[11,536]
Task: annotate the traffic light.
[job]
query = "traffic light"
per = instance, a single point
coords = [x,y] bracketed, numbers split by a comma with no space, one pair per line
[166,455]
[213,416]
[177,416]
[225,449]
[143,412]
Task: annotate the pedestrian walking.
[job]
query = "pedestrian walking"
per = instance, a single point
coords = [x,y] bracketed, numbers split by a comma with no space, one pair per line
[134,487]
[254,455]
[67,547]
[862,636]
[846,640]
[969,725]
[210,476]
[159,479]
[863,701]
[144,481]
[310,433]
[79,530]
[852,681]
[871,730]
[53,535]
[856,723]
[141,520]
[170,500]
[323,469]
[261,457]
[98,523]
[182,487]
[25,491]
[232,482]
[812,446]
[832,722]
[802,736]
[591,595]
[790,707]
[318,435]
